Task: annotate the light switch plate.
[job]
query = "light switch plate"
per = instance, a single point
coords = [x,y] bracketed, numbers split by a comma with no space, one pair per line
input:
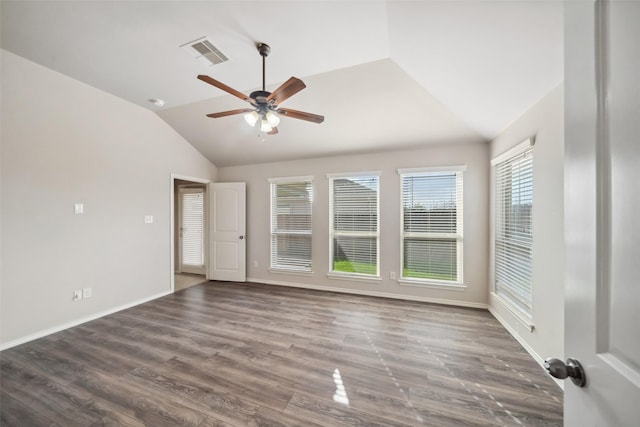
[86,292]
[148,219]
[78,208]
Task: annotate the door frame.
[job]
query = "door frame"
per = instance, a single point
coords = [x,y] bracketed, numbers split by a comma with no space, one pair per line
[172,255]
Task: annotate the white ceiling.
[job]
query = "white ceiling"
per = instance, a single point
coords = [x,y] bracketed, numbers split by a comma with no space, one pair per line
[385,74]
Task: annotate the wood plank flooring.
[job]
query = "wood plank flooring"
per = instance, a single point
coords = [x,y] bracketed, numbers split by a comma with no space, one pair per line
[187,280]
[228,354]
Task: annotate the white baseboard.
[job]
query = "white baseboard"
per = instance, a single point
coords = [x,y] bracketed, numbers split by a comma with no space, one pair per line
[371,293]
[77,322]
[523,343]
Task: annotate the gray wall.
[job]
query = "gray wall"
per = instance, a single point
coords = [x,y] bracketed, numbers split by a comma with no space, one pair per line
[545,120]
[476,178]
[64,142]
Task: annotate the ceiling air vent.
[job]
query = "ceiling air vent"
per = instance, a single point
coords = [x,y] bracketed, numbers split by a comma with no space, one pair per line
[205,51]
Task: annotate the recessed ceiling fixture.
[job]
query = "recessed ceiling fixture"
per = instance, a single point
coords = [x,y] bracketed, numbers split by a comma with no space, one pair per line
[203,50]
[157,102]
[266,109]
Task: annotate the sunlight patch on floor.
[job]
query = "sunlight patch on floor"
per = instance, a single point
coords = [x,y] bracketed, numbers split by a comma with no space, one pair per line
[340,395]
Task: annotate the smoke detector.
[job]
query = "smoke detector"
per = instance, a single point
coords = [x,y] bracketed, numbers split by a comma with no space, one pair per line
[203,50]
[157,102]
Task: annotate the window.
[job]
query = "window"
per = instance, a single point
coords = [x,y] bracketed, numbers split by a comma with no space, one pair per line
[513,227]
[432,225]
[291,200]
[191,205]
[354,236]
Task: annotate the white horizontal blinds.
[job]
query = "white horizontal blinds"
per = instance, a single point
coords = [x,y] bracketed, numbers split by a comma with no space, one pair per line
[291,225]
[354,210]
[432,226]
[192,227]
[513,230]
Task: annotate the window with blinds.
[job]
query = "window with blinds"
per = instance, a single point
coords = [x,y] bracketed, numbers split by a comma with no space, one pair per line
[432,225]
[291,201]
[513,228]
[192,228]
[354,224]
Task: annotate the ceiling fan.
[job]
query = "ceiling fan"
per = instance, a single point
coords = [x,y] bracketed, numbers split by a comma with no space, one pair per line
[266,105]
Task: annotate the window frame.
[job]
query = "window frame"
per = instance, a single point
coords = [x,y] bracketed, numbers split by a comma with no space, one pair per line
[458,283]
[332,232]
[273,265]
[523,310]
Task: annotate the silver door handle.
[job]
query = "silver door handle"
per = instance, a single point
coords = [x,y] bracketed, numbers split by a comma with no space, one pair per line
[572,369]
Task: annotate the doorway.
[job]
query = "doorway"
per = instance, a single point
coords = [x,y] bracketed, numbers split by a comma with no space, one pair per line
[189,231]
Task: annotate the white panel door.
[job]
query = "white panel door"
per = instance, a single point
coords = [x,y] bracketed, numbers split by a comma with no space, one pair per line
[228,242]
[191,212]
[602,202]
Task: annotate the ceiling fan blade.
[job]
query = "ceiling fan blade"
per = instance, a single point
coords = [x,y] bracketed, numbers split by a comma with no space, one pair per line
[274,131]
[295,114]
[229,113]
[286,90]
[224,87]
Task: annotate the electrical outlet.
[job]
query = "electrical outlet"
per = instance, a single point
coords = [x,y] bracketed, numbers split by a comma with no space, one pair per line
[77,295]
[392,275]
[86,293]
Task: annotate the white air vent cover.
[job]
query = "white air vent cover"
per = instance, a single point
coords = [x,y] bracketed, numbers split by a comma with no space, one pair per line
[205,51]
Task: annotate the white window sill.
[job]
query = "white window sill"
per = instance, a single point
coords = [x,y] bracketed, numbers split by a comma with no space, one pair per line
[291,271]
[517,313]
[432,284]
[355,277]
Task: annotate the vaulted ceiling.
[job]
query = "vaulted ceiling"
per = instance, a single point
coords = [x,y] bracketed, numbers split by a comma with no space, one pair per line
[385,74]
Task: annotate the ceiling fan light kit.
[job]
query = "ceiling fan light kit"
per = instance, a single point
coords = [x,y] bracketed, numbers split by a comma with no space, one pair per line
[266,109]
[252,118]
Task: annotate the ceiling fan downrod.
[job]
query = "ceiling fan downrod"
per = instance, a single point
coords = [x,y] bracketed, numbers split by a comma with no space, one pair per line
[264,50]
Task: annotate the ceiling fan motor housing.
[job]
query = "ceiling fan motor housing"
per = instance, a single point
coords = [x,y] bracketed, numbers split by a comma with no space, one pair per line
[260,101]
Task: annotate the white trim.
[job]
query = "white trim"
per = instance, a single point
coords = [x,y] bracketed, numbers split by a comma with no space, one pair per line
[80,321]
[522,342]
[172,220]
[514,151]
[285,180]
[372,293]
[417,283]
[354,277]
[353,174]
[521,317]
[190,178]
[431,169]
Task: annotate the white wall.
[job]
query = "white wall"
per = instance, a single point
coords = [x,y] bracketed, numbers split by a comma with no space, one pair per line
[545,120]
[64,142]
[476,196]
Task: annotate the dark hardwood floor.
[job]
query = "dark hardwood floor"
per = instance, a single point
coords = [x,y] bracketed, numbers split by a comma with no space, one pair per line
[222,354]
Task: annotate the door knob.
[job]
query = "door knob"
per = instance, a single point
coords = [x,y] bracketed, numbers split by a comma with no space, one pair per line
[572,369]
[241,237]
